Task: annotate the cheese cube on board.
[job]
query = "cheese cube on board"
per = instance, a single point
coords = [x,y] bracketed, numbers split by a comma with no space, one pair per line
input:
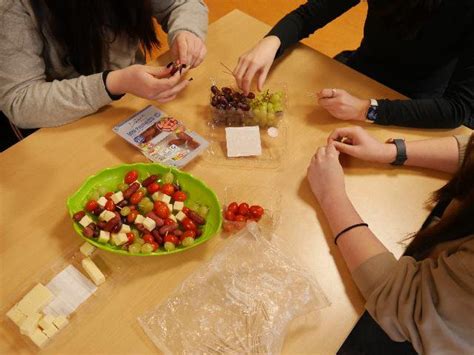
[60,322]
[30,324]
[16,315]
[93,271]
[39,338]
[36,299]
[50,331]
[46,321]
[87,249]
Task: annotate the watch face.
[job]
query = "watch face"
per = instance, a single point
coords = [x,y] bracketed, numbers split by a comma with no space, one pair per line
[372,113]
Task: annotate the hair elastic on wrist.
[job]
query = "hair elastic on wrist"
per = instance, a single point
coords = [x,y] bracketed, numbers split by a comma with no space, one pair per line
[348,229]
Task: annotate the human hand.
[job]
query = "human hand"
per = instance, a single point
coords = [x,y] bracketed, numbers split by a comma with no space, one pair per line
[152,83]
[356,142]
[343,105]
[188,48]
[256,62]
[325,174]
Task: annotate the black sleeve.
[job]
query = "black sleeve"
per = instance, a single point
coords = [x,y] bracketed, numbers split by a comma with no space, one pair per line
[306,19]
[450,111]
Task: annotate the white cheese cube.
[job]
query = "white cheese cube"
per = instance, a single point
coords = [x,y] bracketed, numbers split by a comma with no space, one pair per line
[102,201]
[36,299]
[172,217]
[106,215]
[104,237]
[50,331]
[39,338]
[93,271]
[125,229]
[165,198]
[117,197]
[170,207]
[60,322]
[156,196]
[16,316]
[87,249]
[178,206]
[139,219]
[149,224]
[180,216]
[85,221]
[30,324]
[119,238]
[46,321]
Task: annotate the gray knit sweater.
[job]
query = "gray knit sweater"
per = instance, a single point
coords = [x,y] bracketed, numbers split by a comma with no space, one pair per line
[38,90]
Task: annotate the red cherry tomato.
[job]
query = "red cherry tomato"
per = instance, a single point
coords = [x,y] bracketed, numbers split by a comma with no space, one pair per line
[256,211]
[131,176]
[136,197]
[91,205]
[108,195]
[240,218]
[228,226]
[155,246]
[168,221]
[153,187]
[243,208]
[110,205]
[131,238]
[188,233]
[131,216]
[148,238]
[233,207]
[230,216]
[172,239]
[161,209]
[188,224]
[180,196]
[186,210]
[167,189]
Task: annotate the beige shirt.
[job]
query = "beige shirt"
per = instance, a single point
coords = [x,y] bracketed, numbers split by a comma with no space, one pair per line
[38,90]
[429,302]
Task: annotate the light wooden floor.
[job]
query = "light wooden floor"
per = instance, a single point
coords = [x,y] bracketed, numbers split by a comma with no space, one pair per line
[343,33]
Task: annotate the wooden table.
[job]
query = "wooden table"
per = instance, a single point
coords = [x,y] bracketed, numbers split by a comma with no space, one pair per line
[39,174]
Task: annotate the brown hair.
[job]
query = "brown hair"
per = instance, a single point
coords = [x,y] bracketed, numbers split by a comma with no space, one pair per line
[460,223]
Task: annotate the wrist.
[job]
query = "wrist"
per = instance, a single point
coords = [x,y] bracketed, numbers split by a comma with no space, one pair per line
[389,153]
[274,41]
[114,82]
[363,110]
[332,198]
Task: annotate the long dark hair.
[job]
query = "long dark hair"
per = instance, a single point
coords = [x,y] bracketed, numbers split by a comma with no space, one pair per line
[460,223]
[406,17]
[85,28]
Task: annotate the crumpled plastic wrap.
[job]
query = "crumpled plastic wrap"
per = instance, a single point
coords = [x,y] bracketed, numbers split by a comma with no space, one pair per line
[241,301]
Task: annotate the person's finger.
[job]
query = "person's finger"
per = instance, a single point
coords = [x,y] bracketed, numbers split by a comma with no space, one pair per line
[192,50]
[262,77]
[247,78]
[202,55]
[240,70]
[166,99]
[331,149]
[174,90]
[158,72]
[182,49]
[321,151]
[344,132]
[326,93]
[345,148]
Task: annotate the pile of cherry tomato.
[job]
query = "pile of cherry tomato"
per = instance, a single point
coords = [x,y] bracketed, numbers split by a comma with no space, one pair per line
[236,215]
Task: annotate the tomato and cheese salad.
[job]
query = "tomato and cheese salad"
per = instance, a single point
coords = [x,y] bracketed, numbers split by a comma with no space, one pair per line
[142,217]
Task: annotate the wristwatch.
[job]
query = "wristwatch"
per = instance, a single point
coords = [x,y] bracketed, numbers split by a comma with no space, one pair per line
[401,151]
[372,112]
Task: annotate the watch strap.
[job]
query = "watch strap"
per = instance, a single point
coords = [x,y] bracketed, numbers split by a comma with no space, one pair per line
[401,151]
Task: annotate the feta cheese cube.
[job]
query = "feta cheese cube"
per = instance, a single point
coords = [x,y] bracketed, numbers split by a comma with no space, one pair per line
[16,316]
[87,249]
[149,224]
[50,331]
[30,324]
[156,196]
[104,237]
[102,201]
[38,338]
[172,217]
[106,215]
[93,271]
[60,322]
[139,219]
[85,221]
[46,321]
[117,197]
[170,207]
[165,198]
[178,206]
[180,216]
[119,238]
[125,229]
[36,299]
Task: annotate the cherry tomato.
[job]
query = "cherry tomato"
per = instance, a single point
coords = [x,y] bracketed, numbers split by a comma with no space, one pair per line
[186,210]
[155,246]
[168,222]
[240,218]
[188,224]
[167,189]
[131,238]
[172,239]
[233,207]
[91,205]
[179,196]
[228,226]
[131,216]
[230,216]
[148,238]
[110,205]
[108,195]
[131,176]
[188,233]
[136,197]
[256,211]
[161,209]
[243,208]
[153,187]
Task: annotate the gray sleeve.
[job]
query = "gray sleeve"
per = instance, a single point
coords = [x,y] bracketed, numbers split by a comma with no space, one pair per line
[26,98]
[181,15]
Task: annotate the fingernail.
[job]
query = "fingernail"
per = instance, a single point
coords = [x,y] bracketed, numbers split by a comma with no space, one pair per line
[190,79]
[169,65]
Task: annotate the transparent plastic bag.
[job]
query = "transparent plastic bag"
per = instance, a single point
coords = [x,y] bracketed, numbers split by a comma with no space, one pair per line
[241,301]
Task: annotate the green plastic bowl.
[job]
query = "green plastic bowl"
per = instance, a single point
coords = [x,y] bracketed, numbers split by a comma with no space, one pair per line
[196,190]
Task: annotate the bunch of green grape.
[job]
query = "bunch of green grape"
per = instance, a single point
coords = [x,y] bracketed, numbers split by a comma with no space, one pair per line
[266,108]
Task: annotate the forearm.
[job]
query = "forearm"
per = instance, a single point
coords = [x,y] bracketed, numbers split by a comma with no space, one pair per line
[357,245]
[438,154]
